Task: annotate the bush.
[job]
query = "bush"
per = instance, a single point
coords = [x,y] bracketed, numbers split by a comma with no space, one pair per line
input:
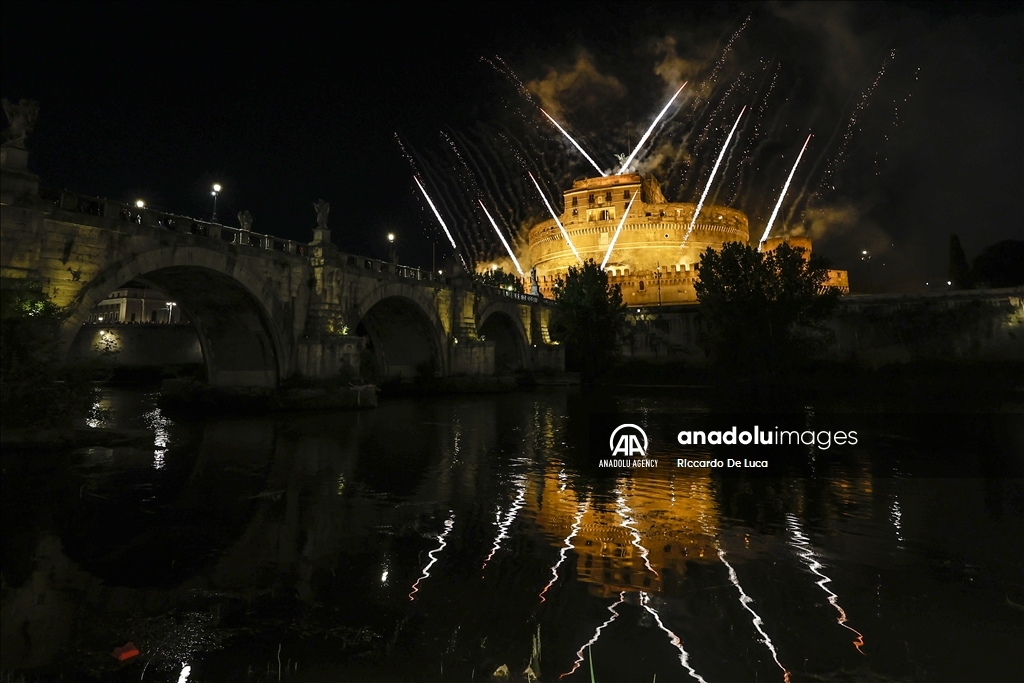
[36,388]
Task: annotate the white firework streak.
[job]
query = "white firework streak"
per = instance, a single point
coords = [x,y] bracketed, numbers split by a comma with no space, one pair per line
[597,634]
[448,524]
[575,144]
[714,170]
[502,238]
[646,135]
[618,230]
[436,213]
[745,600]
[684,657]
[785,188]
[553,215]
[624,511]
[510,517]
[562,552]
[803,545]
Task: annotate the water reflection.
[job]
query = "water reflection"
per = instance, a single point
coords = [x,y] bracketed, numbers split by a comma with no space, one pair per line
[371,530]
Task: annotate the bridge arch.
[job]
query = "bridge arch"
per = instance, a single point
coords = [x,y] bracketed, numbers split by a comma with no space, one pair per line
[405,330]
[231,309]
[501,323]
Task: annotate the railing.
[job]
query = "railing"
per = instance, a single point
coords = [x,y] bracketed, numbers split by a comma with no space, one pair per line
[105,208]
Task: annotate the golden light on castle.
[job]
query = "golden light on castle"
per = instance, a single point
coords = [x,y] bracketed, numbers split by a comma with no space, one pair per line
[652,258]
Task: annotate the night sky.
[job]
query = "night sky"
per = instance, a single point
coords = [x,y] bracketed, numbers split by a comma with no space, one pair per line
[916,112]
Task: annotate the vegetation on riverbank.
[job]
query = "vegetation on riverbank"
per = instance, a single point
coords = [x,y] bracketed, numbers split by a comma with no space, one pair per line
[37,390]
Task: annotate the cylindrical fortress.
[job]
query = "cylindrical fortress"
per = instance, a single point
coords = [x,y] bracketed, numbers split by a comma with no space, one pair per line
[650,260]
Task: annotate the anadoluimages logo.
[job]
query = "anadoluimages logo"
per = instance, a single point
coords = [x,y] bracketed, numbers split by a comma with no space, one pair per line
[625,441]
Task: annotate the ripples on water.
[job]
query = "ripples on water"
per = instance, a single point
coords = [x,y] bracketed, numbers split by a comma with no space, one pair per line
[435,540]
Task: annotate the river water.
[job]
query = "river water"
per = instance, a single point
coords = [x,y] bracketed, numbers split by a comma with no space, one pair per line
[449,538]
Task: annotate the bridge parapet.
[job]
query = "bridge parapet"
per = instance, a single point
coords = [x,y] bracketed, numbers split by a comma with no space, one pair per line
[145,216]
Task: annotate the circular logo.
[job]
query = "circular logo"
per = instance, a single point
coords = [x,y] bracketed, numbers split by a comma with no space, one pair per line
[628,443]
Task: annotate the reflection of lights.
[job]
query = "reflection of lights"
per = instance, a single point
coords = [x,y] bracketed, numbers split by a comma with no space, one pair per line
[803,545]
[510,516]
[745,600]
[627,523]
[897,519]
[684,658]
[561,553]
[185,671]
[448,524]
[341,484]
[95,418]
[597,634]
[160,425]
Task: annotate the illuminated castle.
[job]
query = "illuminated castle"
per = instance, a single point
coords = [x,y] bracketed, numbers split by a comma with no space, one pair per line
[650,261]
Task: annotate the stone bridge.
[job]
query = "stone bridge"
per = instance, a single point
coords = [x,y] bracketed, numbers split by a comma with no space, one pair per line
[266,308]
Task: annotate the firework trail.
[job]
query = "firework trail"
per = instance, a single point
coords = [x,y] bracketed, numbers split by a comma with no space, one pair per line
[503,241]
[575,144]
[857,111]
[434,209]
[775,212]
[711,179]
[558,222]
[646,135]
[618,230]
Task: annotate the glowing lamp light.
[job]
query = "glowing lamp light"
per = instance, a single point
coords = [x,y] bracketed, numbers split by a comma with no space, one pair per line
[139,204]
[101,318]
[494,266]
[216,187]
[391,237]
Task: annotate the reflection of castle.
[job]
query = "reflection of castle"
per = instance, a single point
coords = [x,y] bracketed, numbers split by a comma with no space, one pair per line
[649,261]
[640,541]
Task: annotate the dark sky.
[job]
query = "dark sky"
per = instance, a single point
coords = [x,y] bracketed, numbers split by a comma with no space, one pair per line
[916,111]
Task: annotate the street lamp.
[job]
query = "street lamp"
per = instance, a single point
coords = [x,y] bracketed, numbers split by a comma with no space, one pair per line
[216,191]
[391,246]
[139,204]
[170,311]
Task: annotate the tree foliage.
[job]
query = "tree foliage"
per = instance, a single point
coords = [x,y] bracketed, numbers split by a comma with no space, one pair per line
[590,320]
[36,388]
[497,277]
[763,311]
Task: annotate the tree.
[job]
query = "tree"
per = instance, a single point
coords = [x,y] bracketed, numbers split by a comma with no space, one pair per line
[1000,265]
[36,388]
[959,271]
[590,320]
[497,277]
[763,311]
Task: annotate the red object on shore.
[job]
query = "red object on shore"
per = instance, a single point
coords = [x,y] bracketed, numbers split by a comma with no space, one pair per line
[126,651]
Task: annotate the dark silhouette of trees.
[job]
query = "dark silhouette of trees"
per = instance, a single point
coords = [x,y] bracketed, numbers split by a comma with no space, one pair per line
[590,320]
[764,312]
[999,265]
[959,270]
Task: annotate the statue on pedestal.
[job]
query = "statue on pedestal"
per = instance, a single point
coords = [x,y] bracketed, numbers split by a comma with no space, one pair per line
[534,284]
[22,117]
[245,220]
[322,209]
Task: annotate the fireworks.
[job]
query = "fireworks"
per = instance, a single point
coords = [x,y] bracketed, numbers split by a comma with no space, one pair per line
[618,230]
[436,213]
[555,216]
[711,179]
[575,144]
[778,205]
[503,240]
[646,135]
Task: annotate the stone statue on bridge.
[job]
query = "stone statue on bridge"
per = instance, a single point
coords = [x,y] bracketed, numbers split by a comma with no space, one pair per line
[22,117]
[322,209]
[245,220]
